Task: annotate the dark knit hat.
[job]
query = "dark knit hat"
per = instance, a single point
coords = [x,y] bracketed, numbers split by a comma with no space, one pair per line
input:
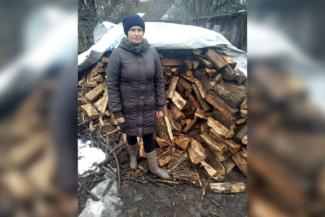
[132,20]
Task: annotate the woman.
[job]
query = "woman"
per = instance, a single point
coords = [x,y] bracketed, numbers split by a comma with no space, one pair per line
[136,90]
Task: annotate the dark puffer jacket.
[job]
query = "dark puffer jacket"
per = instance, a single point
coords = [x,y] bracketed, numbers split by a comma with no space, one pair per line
[136,87]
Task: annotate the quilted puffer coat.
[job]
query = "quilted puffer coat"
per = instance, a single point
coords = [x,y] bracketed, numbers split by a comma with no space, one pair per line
[135,83]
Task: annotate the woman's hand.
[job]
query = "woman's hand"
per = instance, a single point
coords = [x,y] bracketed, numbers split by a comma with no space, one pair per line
[159,114]
[120,120]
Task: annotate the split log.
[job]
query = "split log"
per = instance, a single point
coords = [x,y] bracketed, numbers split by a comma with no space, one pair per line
[172,87]
[91,95]
[193,101]
[216,59]
[230,93]
[162,142]
[210,72]
[218,78]
[200,87]
[102,103]
[213,145]
[165,158]
[174,124]
[90,111]
[202,102]
[240,162]
[178,114]
[201,114]
[178,100]
[228,165]
[168,124]
[196,152]
[232,147]
[190,125]
[205,62]
[216,174]
[221,106]
[233,187]
[161,129]
[187,86]
[219,128]
[241,133]
[182,142]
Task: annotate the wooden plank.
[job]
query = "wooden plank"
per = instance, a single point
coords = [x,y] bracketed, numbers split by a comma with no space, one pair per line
[228,187]
[196,152]
[172,87]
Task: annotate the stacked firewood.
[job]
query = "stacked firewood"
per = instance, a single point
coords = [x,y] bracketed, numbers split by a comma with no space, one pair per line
[205,117]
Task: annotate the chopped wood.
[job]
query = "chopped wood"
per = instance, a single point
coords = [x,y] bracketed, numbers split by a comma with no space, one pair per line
[172,87]
[99,78]
[243,113]
[162,142]
[168,124]
[161,129]
[190,125]
[216,59]
[218,104]
[193,101]
[178,100]
[196,152]
[200,87]
[202,102]
[185,84]
[231,94]
[206,62]
[102,103]
[219,128]
[165,158]
[210,72]
[91,95]
[230,61]
[213,144]
[241,133]
[174,124]
[90,111]
[201,114]
[216,174]
[240,162]
[228,187]
[178,114]
[218,78]
[232,147]
[183,142]
[174,70]
[228,165]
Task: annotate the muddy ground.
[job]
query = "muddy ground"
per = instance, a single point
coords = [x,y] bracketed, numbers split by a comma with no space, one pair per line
[143,195]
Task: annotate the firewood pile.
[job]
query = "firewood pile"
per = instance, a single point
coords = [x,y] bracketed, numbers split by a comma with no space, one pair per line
[205,117]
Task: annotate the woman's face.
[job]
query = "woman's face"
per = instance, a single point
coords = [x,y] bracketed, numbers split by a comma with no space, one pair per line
[135,34]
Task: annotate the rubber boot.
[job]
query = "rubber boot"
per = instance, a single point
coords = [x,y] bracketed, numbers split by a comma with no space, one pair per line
[153,165]
[133,151]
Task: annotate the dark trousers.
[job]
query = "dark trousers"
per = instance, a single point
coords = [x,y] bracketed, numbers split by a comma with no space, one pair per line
[148,143]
